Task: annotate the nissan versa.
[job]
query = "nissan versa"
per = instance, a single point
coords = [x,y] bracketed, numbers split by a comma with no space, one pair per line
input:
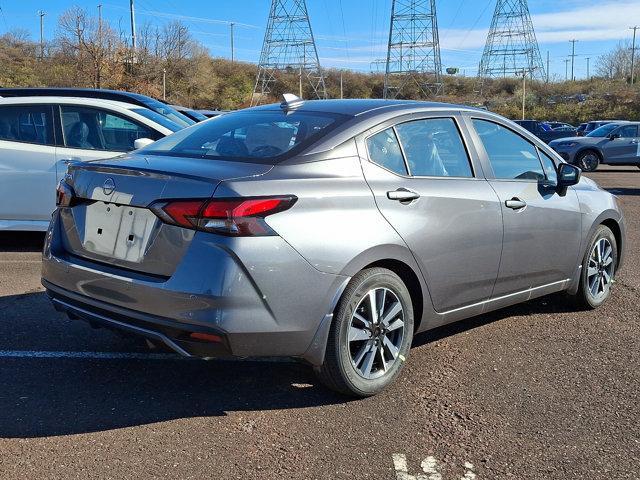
[331,231]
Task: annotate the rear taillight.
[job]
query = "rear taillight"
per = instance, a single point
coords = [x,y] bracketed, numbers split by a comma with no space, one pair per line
[227,216]
[64,194]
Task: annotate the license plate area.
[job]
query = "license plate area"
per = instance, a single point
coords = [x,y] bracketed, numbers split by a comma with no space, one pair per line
[118,231]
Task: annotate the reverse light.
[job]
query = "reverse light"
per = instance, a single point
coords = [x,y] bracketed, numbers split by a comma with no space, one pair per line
[64,194]
[244,216]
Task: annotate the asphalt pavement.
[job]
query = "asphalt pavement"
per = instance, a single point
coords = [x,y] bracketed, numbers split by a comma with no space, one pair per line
[536,391]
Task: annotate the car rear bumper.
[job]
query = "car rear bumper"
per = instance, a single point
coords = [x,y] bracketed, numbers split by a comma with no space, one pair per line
[259,295]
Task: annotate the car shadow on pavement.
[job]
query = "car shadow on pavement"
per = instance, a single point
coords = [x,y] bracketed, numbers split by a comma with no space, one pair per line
[21,241]
[62,396]
[624,191]
[550,304]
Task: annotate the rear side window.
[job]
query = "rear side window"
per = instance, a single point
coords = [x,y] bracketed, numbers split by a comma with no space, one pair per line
[433,148]
[263,137]
[96,129]
[628,131]
[511,156]
[384,150]
[27,124]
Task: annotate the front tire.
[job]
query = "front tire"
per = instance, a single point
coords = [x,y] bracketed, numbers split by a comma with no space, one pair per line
[588,160]
[598,269]
[370,335]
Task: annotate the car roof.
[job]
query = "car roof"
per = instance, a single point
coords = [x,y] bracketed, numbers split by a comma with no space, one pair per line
[355,107]
[118,95]
[64,100]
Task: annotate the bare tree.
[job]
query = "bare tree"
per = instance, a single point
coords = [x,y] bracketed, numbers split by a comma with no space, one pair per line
[615,64]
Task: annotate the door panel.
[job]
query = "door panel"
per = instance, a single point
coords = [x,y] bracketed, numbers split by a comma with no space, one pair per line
[541,240]
[623,149]
[27,181]
[541,227]
[454,231]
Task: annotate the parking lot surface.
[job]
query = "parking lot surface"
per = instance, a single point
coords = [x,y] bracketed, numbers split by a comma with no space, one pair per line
[536,391]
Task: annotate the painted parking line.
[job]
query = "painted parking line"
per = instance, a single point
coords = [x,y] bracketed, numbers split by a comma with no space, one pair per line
[90,355]
[129,356]
[431,469]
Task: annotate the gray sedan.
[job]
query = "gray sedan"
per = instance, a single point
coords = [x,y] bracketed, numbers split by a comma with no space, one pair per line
[614,144]
[331,231]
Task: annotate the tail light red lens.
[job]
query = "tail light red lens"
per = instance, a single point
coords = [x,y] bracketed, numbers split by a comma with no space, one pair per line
[64,194]
[227,216]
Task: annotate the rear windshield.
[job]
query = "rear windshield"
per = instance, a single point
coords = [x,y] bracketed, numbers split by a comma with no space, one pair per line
[168,111]
[262,137]
[159,119]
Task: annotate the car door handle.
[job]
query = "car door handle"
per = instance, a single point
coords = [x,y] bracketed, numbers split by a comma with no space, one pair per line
[515,203]
[402,195]
[635,142]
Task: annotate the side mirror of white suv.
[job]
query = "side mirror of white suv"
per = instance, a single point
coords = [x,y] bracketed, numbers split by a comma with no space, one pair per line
[141,142]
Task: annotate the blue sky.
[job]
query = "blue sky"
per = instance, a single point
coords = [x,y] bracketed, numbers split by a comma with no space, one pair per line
[353,33]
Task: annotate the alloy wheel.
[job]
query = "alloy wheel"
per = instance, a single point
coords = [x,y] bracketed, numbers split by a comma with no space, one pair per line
[600,269]
[376,333]
[589,162]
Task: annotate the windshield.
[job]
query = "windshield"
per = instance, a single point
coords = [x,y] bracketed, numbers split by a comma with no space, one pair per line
[604,130]
[262,137]
[169,112]
[159,119]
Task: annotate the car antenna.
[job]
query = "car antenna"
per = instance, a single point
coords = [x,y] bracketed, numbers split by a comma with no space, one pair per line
[290,101]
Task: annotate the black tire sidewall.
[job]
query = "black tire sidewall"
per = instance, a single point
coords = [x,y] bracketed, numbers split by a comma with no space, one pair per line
[363,284]
[581,155]
[601,232]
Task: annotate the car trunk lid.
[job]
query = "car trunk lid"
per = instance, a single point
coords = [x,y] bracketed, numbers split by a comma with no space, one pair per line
[110,222]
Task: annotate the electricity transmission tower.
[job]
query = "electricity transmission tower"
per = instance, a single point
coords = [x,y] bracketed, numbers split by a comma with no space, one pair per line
[511,46]
[288,46]
[413,53]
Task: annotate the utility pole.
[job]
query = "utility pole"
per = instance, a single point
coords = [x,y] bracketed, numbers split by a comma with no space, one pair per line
[588,75]
[573,56]
[233,56]
[133,27]
[164,84]
[341,89]
[633,54]
[566,69]
[42,14]
[100,23]
[547,66]
[524,91]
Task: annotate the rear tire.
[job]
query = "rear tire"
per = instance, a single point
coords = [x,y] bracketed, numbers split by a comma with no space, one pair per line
[366,351]
[588,160]
[598,269]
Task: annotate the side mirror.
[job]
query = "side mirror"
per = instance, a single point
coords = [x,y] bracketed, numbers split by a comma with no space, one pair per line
[613,136]
[568,175]
[141,142]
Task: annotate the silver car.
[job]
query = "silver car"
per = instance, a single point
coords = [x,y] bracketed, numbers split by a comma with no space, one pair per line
[331,231]
[615,143]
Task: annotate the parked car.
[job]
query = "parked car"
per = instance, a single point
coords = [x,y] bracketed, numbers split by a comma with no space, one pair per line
[612,144]
[39,136]
[542,130]
[591,126]
[561,125]
[580,130]
[330,230]
[120,96]
[212,113]
[194,115]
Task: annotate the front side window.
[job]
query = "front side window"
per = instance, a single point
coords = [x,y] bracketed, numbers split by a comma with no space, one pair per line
[96,129]
[434,148]
[384,150]
[262,137]
[27,124]
[549,167]
[628,131]
[511,156]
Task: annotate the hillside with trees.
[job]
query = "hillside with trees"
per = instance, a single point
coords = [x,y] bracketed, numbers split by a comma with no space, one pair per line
[87,54]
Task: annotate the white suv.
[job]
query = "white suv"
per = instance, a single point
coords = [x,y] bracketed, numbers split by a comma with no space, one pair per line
[39,136]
